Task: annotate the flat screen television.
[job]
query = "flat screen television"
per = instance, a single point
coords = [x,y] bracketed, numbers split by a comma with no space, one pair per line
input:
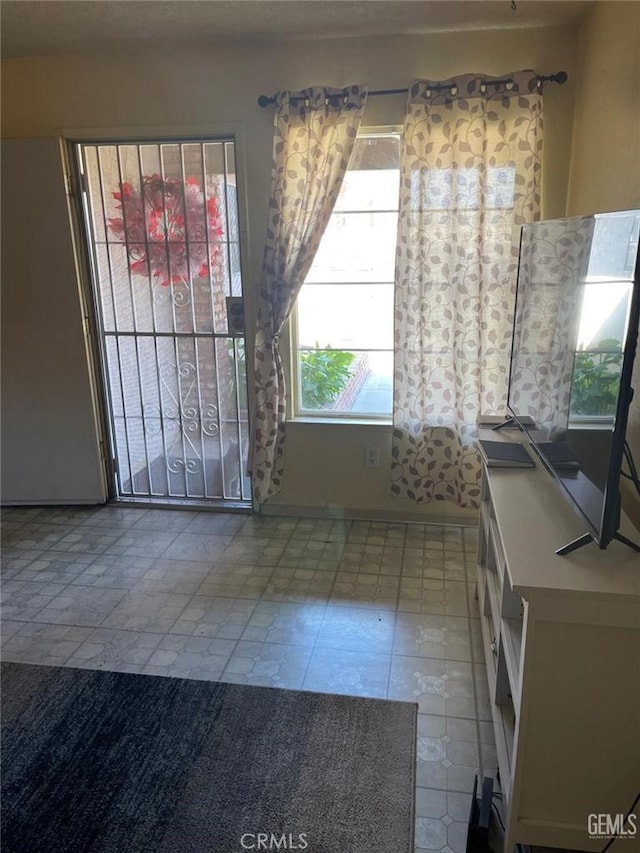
[574,342]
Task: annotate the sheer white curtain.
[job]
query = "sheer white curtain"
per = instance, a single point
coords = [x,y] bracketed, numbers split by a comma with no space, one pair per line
[314,134]
[471,168]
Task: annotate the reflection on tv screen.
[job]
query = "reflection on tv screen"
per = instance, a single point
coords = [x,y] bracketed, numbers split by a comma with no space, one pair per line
[575,284]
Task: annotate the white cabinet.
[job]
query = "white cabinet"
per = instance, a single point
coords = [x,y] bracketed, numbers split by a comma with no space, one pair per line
[562,645]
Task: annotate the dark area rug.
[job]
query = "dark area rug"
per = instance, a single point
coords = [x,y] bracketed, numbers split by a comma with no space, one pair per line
[108,762]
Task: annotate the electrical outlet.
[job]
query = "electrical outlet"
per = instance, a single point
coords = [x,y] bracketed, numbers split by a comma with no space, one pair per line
[372,457]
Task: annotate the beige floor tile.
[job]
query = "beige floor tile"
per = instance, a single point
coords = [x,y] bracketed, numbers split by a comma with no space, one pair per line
[52,645]
[363,608]
[353,673]
[141,610]
[268,664]
[236,581]
[210,616]
[359,589]
[290,623]
[108,648]
[81,605]
[356,629]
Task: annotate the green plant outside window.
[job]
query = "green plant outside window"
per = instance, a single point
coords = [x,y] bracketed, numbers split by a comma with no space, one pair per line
[324,374]
[596,380]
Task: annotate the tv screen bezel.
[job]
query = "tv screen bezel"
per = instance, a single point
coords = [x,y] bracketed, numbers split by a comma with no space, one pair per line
[610,515]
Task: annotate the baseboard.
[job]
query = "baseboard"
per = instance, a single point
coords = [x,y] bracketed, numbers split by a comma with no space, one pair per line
[6,504]
[469,519]
[351,514]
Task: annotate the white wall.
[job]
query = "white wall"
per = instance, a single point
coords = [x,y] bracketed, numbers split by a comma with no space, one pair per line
[605,160]
[195,91]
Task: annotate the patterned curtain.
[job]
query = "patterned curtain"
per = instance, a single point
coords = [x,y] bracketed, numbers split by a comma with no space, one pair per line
[471,169]
[314,134]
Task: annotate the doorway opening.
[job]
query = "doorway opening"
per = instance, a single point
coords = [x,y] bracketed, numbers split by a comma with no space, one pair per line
[162,226]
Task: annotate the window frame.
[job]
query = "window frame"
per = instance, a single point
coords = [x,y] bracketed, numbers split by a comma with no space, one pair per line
[297,412]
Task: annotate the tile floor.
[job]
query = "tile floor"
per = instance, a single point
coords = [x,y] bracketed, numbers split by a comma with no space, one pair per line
[363,608]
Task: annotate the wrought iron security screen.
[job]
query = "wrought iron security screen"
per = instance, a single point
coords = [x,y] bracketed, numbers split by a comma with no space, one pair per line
[162,222]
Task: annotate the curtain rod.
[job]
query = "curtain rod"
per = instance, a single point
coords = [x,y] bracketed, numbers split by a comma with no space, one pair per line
[559,77]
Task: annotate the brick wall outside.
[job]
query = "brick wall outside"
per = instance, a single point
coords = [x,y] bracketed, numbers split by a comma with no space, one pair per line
[360,372]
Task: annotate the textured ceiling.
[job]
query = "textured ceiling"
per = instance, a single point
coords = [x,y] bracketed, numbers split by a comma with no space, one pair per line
[39,27]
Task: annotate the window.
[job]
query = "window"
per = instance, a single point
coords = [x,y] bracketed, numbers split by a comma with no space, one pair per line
[343,324]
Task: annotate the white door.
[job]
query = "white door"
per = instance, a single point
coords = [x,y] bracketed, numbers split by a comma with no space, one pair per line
[50,439]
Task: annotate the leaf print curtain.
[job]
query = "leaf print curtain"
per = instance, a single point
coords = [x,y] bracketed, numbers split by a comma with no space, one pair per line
[314,134]
[470,177]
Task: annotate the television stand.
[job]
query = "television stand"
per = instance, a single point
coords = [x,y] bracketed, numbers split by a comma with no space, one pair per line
[561,642]
[587,537]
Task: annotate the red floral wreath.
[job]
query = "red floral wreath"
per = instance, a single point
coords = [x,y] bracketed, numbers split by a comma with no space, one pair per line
[167,228]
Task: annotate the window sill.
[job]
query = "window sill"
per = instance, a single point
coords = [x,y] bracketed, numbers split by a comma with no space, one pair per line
[364,421]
